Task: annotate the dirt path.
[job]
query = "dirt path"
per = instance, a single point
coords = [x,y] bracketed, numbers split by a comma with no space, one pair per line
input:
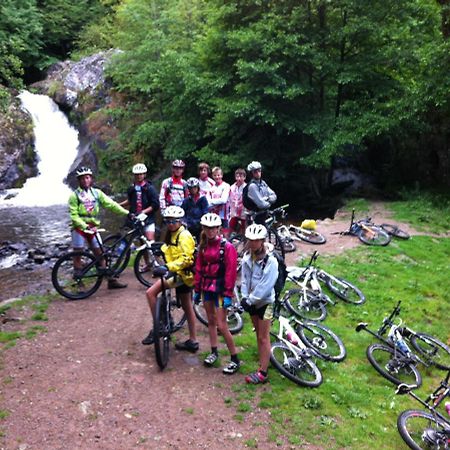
[88,383]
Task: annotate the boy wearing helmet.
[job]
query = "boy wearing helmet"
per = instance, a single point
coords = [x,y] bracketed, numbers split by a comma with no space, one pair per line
[215,277]
[84,208]
[178,252]
[259,193]
[258,277]
[195,206]
[173,189]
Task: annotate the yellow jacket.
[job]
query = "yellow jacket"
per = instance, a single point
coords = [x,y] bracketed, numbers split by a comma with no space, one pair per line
[179,255]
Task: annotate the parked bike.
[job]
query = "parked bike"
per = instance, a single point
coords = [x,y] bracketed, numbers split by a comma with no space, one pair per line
[394,358]
[423,430]
[395,231]
[307,235]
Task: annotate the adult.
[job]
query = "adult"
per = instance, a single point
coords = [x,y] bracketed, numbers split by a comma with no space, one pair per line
[173,189]
[258,277]
[206,183]
[195,206]
[84,208]
[178,252]
[215,277]
[260,194]
[235,205]
[219,196]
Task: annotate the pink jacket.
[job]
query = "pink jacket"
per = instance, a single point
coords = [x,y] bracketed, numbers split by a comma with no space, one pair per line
[207,265]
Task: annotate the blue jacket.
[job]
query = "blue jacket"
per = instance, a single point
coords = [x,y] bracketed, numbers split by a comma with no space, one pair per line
[258,280]
[194,210]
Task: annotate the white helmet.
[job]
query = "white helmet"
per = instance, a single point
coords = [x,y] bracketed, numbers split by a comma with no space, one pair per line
[254,165]
[211,220]
[83,171]
[255,231]
[174,211]
[139,168]
[192,182]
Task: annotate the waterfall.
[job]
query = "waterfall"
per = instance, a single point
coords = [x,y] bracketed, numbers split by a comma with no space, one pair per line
[56,144]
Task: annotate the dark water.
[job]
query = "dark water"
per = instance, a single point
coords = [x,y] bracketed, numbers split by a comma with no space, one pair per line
[36,228]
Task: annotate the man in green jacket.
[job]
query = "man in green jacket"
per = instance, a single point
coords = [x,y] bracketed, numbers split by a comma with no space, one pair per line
[84,208]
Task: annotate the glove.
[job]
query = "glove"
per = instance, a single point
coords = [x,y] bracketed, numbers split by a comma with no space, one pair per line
[245,305]
[160,271]
[141,217]
[197,298]
[227,302]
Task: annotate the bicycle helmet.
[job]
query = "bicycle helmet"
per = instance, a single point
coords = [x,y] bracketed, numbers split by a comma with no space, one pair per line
[139,168]
[254,165]
[256,231]
[83,171]
[211,220]
[173,211]
[192,182]
[178,163]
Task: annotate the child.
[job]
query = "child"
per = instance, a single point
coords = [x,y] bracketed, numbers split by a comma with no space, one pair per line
[179,255]
[259,274]
[195,206]
[219,196]
[235,205]
[215,277]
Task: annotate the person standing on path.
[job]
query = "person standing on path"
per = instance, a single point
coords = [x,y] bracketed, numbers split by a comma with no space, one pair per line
[235,205]
[195,206]
[173,189]
[219,197]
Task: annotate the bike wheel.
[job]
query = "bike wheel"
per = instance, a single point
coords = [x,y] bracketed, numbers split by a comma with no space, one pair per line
[76,285]
[274,238]
[395,231]
[432,349]
[421,430]
[322,340]
[111,245]
[161,331]
[302,371]
[144,271]
[234,319]
[373,235]
[385,362]
[345,290]
[309,308]
[289,246]
[310,236]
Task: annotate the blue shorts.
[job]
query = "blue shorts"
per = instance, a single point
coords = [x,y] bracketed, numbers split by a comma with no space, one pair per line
[80,241]
[213,297]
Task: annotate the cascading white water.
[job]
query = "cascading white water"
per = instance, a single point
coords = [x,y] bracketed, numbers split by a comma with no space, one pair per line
[56,144]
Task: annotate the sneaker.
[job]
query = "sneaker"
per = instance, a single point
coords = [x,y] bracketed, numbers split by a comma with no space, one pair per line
[211,359]
[231,368]
[113,283]
[149,339]
[188,345]
[256,378]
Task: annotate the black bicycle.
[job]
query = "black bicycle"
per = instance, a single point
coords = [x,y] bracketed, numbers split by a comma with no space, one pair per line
[169,318]
[395,231]
[83,281]
[422,430]
[395,360]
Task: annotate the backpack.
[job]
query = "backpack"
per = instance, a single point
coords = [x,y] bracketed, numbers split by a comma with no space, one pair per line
[247,201]
[282,272]
[220,279]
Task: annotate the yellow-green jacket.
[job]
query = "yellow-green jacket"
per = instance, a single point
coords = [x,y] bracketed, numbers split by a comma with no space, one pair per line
[81,218]
[179,255]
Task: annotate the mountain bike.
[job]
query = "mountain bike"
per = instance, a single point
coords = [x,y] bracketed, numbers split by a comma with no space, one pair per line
[80,283]
[395,360]
[309,302]
[395,231]
[235,321]
[294,349]
[169,318]
[430,429]
[287,239]
[366,231]
[310,236]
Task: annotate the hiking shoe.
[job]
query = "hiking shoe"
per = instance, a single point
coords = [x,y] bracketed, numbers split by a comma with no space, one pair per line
[231,368]
[256,378]
[149,339]
[113,283]
[189,346]
[211,359]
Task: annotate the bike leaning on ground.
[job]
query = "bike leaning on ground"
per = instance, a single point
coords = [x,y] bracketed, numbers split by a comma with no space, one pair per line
[77,284]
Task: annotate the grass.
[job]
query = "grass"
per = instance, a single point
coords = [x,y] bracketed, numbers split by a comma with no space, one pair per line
[355,408]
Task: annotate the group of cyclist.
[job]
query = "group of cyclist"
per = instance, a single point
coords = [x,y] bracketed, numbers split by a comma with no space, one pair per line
[197,211]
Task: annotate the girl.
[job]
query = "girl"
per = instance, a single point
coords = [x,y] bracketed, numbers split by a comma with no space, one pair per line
[215,277]
[259,274]
[179,255]
[219,196]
